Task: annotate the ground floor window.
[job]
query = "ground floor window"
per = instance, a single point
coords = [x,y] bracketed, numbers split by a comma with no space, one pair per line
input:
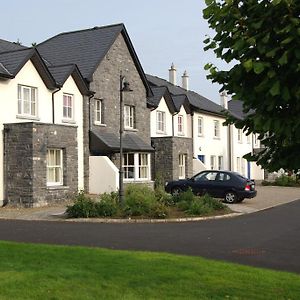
[213,162]
[201,158]
[181,166]
[136,166]
[54,167]
[220,163]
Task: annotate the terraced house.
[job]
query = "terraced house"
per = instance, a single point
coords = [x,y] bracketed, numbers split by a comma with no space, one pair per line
[61,118]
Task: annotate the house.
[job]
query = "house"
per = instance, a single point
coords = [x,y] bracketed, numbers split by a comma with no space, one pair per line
[242,144]
[106,58]
[41,121]
[171,135]
[209,136]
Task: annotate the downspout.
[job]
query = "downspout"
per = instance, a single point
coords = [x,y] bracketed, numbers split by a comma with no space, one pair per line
[53,105]
[89,115]
[230,148]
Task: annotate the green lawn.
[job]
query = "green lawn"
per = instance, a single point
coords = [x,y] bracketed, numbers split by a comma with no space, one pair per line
[54,272]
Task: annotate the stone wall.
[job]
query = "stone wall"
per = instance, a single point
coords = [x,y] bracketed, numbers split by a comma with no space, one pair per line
[106,84]
[165,161]
[25,170]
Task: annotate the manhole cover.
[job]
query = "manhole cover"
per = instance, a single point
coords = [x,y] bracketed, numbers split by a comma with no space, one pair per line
[249,251]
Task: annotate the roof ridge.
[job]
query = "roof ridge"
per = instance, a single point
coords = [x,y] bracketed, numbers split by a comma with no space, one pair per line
[82,30]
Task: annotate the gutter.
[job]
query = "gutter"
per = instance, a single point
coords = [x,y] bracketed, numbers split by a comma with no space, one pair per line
[53,105]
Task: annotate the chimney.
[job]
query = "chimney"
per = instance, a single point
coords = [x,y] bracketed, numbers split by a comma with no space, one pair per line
[172,74]
[185,80]
[224,99]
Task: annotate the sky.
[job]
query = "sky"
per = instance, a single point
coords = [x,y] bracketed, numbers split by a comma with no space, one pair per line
[162,31]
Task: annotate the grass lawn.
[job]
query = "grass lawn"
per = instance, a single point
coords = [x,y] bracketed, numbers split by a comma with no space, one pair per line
[56,272]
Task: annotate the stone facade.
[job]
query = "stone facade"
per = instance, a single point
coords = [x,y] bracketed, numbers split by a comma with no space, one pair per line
[106,84]
[166,159]
[25,166]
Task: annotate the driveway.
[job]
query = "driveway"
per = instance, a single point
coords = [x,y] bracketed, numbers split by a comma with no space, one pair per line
[267,197]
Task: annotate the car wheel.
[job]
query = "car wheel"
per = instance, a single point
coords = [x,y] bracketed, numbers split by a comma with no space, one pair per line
[176,191]
[231,197]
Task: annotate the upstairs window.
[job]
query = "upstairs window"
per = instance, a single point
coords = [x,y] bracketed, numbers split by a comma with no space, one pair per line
[27,101]
[160,121]
[200,126]
[68,106]
[129,117]
[180,124]
[216,129]
[240,135]
[99,111]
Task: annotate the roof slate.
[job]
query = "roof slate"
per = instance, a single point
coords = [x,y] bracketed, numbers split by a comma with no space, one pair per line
[9,46]
[85,48]
[61,73]
[196,100]
[235,108]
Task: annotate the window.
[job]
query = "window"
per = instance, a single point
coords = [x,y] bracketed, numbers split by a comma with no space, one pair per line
[68,106]
[99,111]
[248,139]
[220,163]
[54,167]
[216,128]
[27,101]
[136,166]
[160,121]
[240,135]
[255,139]
[180,124]
[200,126]
[181,166]
[213,162]
[143,166]
[201,158]
[238,164]
[129,117]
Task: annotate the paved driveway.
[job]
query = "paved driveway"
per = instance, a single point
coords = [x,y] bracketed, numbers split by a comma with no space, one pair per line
[267,197]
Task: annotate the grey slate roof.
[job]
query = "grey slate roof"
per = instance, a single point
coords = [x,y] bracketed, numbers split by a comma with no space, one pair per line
[235,108]
[4,72]
[108,142]
[158,93]
[61,73]
[14,60]
[85,48]
[197,101]
[179,101]
[9,46]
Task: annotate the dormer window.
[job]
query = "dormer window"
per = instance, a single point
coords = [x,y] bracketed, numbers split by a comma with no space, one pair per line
[180,124]
[160,122]
[27,101]
[68,106]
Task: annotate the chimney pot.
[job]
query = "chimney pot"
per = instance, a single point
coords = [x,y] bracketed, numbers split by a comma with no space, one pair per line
[172,74]
[185,80]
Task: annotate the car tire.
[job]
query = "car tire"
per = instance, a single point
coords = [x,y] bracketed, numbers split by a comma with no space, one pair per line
[176,191]
[230,197]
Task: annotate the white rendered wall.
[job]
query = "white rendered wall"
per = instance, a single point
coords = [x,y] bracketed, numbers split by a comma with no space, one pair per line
[104,175]
[29,76]
[206,144]
[164,108]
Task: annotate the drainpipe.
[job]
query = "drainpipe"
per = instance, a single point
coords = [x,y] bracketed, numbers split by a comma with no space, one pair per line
[89,107]
[53,105]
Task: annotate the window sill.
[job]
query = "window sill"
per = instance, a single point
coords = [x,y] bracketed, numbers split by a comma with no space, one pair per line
[68,121]
[100,124]
[57,187]
[200,135]
[26,117]
[217,138]
[131,129]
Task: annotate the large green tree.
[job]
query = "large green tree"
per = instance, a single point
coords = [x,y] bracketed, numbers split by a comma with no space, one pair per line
[261,39]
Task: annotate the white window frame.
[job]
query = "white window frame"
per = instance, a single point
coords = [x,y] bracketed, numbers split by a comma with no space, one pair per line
[129,117]
[98,109]
[55,167]
[212,162]
[240,135]
[200,126]
[160,121]
[220,162]
[181,166]
[68,108]
[27,107]
[140,167]
[248,139]
[180,122]
[238,164]
[216,129]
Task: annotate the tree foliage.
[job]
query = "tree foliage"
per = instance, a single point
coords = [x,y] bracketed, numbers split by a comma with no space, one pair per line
[262,39]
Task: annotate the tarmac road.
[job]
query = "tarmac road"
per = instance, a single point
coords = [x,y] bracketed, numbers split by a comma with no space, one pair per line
[268,238]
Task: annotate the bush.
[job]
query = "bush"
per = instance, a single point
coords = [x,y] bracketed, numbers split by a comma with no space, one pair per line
[158,210]
[266,183]
[198,207]
[138,200]
[163,197]
[285,180]
[107,205]
[83,207]
[186,196]
[212,202]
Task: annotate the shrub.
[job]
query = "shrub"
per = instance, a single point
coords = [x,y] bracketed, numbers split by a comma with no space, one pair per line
[186,196]
[266,183]
[138,200]
[158,210]
[107,205]
[83,207]
[285,180]
[198,207]
[212,202]
[163,197]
